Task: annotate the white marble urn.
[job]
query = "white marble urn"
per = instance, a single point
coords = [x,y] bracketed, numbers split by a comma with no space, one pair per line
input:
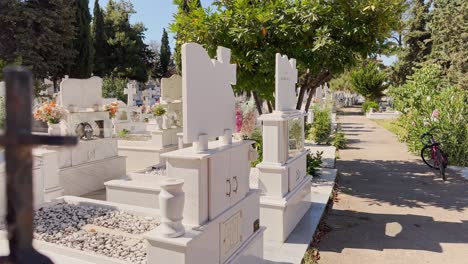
[171,206]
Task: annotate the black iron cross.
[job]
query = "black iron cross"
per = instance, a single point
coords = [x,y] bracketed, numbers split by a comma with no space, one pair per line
[18,142]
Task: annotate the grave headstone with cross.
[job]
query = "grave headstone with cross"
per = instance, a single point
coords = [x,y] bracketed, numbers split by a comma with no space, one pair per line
[131,91]
[282,172]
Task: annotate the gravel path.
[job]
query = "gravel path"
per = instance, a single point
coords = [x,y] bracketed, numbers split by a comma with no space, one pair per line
[72,226]
[392,208]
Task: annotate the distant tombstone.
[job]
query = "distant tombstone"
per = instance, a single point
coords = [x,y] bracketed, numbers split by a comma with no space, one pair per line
[81,93]
[208,99]
[286,79]
[171,88]
[130,91]
[2,88]
[326,90]
[319,93]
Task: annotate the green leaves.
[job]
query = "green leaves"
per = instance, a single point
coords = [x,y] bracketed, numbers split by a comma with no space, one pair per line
[369,80]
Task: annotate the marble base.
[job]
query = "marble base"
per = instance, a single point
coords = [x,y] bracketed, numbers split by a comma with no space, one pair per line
[140,157]
[133,127]
[281,215]
[90,177]
[384,115]
[139,193]
[204,244]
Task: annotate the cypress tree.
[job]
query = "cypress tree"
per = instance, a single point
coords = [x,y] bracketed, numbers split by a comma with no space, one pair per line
[449,27]
[82,43]
[99,41]
[164,54]
[417,40]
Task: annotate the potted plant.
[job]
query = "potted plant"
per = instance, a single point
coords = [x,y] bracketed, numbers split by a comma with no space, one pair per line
[51,113]
[159,112]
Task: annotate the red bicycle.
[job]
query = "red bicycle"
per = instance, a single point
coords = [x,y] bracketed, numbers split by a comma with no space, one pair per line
[432,154]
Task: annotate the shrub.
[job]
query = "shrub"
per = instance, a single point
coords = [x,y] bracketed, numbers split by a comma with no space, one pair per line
[258,138]
[159,111]
[424,94]
[314,162]
[307,128]
[321,128]
[369,80]
[367,105]
[339,140]
[123,133]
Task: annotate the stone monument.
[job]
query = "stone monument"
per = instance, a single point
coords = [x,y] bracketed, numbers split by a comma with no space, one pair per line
[283,179]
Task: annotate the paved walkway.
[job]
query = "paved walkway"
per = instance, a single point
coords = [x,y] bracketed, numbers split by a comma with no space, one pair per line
[392,209]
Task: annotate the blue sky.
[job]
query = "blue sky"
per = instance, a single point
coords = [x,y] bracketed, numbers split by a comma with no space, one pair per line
[154,14]
[158,14]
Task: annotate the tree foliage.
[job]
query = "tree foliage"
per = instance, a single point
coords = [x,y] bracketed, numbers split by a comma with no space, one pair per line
[99,41]
[82,42]
[417,42]
[324,36]
[128,56]
[39,34]
[449,27]
[369,80]
[164,55]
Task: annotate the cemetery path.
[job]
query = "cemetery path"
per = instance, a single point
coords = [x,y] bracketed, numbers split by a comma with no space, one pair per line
[392,208]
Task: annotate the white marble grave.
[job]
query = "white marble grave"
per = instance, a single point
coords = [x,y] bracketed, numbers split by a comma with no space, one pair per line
[221,212]
[283,180]
[46,183]
[144,153]
[85,167]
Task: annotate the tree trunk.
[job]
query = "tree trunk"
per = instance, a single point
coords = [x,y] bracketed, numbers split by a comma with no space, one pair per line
[257,102]
[322,78]
[305,78]
[270,107]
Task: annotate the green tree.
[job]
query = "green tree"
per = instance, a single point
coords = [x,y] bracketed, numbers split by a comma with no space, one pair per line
[417,42]
[325,37]
[369,81]
[128,56]
[40,36]
[449,27]
[82,43]
[99,42]
[164,55]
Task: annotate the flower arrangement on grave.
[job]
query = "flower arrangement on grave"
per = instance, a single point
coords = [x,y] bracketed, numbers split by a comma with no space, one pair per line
[49,112]
[112,108]
[158,110]
[245,120]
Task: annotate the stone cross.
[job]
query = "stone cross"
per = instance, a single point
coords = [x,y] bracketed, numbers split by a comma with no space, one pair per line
[204,78]
[18,142]
[130,91]
[285,87]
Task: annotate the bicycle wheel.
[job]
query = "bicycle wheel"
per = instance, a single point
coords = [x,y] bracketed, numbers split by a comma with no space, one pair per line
[426,156]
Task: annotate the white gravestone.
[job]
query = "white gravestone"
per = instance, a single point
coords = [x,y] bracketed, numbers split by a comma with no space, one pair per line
[286,79]
[319,93]
[130,91]
[171,88]
[208,99]
[83,94]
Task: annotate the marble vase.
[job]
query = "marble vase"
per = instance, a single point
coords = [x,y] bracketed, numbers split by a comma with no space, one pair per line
[171,205]
[55,129]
